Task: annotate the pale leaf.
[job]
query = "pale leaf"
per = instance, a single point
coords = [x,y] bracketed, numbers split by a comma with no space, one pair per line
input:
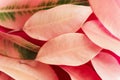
[95,31]
[17,47]
[108,12]
[68,49]
[14,13]
[26,70]
[107,67]
[47,24]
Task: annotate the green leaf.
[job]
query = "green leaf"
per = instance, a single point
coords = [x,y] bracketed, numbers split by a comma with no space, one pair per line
[17,47]
[15,14]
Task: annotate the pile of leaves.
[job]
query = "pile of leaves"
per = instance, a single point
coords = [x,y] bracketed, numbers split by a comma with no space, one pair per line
[59,40]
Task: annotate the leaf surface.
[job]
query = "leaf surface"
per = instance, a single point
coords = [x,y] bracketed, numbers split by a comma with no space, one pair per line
[47,24]
[83,72]
[14,13]
[26,70]
[17,47]
[68,49]
[107,67]
[108,12]
[97,34]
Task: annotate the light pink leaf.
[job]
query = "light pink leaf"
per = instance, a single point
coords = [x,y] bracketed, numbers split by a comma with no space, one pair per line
[26,70]
[17,47]
[68,49]
[108,12]
[45,25]
[94,30]
[83,72]
[14,13]
[106,66]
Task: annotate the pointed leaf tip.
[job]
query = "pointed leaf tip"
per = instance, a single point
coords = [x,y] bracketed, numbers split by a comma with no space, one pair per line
[95,32]
[45,25]
[26,70]
[107,67]
[68,49]
[108,12]
[17,47]
[14,13]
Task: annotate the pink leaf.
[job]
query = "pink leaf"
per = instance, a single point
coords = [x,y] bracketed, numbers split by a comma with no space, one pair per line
[108,12]
[106,66]
[68,49]
[45,25]
[26,70]
[26,37]
[94,30]
[17,47]
[83,72]
[14,13]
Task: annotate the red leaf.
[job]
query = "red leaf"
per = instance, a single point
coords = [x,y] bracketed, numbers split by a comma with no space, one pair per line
[83,72]
[4,76]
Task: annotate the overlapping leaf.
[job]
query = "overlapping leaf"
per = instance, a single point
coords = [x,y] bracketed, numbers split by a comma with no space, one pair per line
[17,47]
[45,25]
[68,49]
[107,67]
[26,70]
[14,13]
[94,30]
[83,72]
[108,12]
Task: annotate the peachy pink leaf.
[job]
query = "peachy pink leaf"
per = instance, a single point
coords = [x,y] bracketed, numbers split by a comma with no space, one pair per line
[26,70]
[14,13]
[47,24]
[108,12]
[17,47]
[68,49]
[94,30]
[107,66]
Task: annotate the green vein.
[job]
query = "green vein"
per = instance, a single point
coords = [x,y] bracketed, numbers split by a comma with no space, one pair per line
[25,53]
[17,46]
[9,12]
[22,51]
